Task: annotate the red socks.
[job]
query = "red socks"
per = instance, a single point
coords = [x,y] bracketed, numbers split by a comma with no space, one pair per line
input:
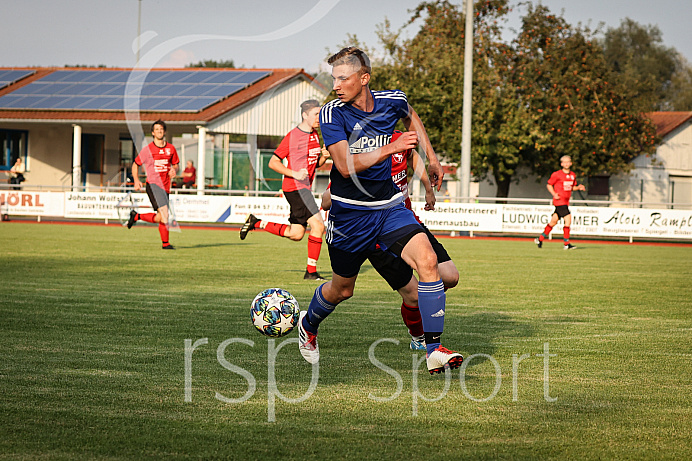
[412,319]
[274,228]
[545,233]
[163,230]
[566,234]
[148,217]
[314,248]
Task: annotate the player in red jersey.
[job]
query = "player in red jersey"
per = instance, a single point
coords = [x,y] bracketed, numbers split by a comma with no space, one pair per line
[160,161]
[560,185]
[301,148]
[395,271]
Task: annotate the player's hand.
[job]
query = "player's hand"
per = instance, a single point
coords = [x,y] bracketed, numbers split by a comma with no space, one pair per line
[325,153]
[430,200]
[301,174]
[435,174]
[581,187]
[556,196]
[138,184]
[406,141]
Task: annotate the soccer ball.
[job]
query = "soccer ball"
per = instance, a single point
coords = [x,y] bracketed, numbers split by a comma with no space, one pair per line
[274,312]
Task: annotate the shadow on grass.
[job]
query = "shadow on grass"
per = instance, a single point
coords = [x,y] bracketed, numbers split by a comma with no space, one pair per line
[206,245]
[481,332]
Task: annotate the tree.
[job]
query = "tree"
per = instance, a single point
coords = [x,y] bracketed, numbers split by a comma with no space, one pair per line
[581,108]
[213,64]
[547,93]
[638,55]
[679,94]
[429,67]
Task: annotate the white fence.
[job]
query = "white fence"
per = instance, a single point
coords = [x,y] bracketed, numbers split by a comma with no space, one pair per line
[512,218]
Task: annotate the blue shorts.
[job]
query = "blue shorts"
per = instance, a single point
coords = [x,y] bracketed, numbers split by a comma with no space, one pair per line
[353,234]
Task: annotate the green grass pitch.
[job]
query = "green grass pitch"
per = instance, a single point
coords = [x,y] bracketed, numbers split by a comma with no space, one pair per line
[95,321]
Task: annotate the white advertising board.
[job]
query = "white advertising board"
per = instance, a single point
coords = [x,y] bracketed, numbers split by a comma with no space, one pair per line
[274,209]
[200,208]
[461,216]
[458,217]
[92,205]
[32,203]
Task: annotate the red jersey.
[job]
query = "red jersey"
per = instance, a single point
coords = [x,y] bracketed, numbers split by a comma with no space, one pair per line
[302,151]
[562,183]
[400,172]
[157,163]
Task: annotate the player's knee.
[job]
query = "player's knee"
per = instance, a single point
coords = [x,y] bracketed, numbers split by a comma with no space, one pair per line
[344,293]
[296,237]
[450,280]
[427,263]
[317,228]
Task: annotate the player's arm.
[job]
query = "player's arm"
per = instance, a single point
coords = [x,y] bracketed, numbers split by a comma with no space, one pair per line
[326,200]
[349,165]
[578,187]
[277,165]
[435,171]
[323,157]
[419,169]
[551,189]
[135,176]
[173,171]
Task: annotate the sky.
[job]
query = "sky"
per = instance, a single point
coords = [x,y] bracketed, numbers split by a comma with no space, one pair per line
[254,33]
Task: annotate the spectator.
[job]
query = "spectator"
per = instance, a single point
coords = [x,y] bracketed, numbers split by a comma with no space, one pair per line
[17,173]
[189,175]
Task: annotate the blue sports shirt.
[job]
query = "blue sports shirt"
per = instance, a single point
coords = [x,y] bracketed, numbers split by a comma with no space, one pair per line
[364,131]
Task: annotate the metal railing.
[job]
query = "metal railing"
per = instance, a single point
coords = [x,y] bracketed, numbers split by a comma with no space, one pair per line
[415,198]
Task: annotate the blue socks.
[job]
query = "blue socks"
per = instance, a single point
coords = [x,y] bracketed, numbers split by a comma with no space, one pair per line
[318,310]
[431,302]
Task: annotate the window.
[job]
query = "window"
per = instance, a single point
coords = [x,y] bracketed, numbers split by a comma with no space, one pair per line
[14,145]
[599,185]
[92,152]
[127,151]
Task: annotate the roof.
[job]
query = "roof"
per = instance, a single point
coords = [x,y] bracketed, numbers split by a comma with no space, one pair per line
[666,122]
[275,78]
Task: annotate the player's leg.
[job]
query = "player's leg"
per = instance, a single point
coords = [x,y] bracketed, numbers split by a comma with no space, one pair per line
[163,227]
[567,221]
[448,270]
[431,301]
[404,236]
[345,267]
[154,199]
[410,314]
[299,202]
[325,299]
[400,278]
[548,229]
[316,224]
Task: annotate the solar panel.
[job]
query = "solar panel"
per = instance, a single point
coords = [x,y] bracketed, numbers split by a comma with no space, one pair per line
[157,90]
[7,77]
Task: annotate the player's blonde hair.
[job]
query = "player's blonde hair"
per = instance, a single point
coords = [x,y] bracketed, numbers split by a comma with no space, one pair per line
[352,56]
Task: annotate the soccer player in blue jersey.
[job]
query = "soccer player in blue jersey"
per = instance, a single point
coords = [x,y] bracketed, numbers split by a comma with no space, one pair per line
[367,207]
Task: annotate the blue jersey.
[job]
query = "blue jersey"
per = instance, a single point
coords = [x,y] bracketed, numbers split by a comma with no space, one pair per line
[365,132]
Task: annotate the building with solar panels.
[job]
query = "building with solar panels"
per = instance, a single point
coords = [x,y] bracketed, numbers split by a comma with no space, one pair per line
[81,127]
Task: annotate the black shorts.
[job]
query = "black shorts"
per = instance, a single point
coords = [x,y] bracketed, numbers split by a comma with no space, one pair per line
[561,211]
[157,196]
[395,271]
[303,206]
[347,264]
